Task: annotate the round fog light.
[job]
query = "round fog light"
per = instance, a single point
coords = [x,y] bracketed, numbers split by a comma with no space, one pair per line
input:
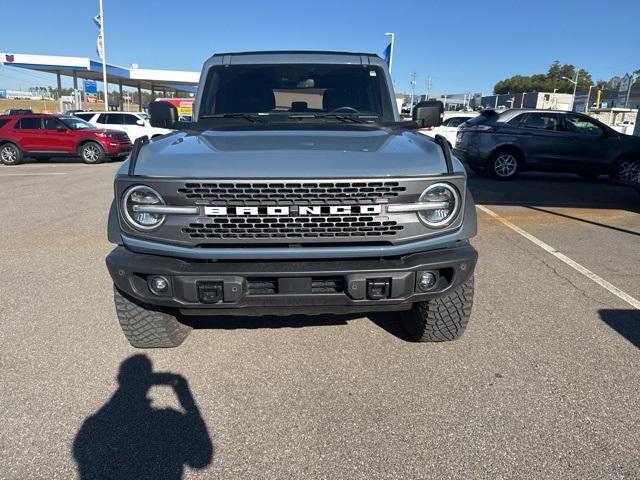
[427,280]
[158,285]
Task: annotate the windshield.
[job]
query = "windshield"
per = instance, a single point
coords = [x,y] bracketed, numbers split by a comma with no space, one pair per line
[75,123]
[283,90]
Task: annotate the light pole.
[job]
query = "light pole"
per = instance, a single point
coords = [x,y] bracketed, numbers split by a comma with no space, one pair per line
[393,36]
[104,58]
[575,86]
[414,75]
[632,80]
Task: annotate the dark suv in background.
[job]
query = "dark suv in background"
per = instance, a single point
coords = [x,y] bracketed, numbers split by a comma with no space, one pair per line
[507,143]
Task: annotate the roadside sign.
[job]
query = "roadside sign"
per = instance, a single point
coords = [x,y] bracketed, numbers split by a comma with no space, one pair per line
[90,86]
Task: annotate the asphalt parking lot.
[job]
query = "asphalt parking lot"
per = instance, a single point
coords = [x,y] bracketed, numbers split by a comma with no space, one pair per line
[544,384]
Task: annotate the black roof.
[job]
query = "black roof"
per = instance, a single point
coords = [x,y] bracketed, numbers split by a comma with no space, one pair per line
[279,52]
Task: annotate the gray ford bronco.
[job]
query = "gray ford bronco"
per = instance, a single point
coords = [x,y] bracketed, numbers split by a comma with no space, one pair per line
[296,189]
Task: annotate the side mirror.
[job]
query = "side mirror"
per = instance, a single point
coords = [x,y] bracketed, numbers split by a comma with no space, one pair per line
[61,128]
[163,114]
[429,113]
[140,123]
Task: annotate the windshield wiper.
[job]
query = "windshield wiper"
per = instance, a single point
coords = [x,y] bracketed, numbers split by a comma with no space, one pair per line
[247,116]
[342,118]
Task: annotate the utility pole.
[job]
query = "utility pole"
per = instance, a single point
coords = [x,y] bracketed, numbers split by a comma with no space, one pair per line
[575,86]
[414,75]
[428,88]
[631,82]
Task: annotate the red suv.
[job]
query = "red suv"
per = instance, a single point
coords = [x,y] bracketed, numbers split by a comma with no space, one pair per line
[44,136]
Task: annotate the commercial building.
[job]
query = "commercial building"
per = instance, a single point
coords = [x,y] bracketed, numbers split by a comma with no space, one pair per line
[542,100]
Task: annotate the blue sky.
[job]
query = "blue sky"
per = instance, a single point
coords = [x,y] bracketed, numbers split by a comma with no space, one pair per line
[464,45]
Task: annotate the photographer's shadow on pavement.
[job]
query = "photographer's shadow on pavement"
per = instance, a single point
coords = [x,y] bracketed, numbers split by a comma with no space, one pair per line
[129,439]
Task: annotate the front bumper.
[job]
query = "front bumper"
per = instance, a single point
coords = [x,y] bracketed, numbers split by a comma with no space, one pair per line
[117,148]
[291,287]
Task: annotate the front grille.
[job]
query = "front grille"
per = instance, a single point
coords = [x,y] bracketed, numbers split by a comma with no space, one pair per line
[121,137]
[262,286]
[241,227]
[287,193]
[319,285]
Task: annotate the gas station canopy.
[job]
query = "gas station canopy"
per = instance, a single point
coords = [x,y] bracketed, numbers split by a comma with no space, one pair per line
[85,68]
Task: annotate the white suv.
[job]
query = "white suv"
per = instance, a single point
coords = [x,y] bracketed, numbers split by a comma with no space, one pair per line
[136,124]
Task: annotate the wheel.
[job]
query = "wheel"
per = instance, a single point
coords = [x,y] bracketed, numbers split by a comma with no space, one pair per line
[627,171]
[589,175]
[148,327]
[10,154]
[92,153]
[440,319]
[504,165]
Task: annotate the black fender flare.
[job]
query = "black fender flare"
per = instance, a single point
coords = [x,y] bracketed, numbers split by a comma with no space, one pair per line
[113,225]
[470,220]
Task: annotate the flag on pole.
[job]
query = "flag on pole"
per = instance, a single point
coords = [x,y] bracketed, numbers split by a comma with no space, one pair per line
[386,55]
[99,42]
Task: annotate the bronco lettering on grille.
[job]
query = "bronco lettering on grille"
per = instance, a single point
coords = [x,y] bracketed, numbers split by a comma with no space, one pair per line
[296,210]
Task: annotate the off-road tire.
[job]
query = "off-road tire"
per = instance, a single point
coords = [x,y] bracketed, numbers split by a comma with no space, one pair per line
[92,153]
[10,154]
[440,319]
[147,327]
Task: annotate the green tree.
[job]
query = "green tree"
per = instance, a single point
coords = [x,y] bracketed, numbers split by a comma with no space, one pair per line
[541,82]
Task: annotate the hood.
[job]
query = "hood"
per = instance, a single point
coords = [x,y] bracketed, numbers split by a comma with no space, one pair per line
[364,152]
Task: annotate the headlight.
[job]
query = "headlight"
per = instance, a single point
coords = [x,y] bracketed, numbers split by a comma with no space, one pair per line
[135,203]
[447,196]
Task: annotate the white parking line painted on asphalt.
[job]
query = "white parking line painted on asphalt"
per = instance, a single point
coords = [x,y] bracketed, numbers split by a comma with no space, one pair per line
[635,303]
[30,174]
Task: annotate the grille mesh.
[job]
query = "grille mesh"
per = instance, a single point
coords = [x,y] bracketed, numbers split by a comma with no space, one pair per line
[287,193]
[121,137]
[292,227]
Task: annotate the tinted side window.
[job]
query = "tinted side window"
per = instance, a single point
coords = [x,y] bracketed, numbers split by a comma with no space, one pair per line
[110,118]
[129,119]
[541,121]
[515,121]
[52,123]
[3,122]
[583,126]
[32,123]
[84,116]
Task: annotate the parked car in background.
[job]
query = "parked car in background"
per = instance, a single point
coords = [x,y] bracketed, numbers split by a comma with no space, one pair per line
[449,127]
[507,143]
[136,124]
[44,136]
